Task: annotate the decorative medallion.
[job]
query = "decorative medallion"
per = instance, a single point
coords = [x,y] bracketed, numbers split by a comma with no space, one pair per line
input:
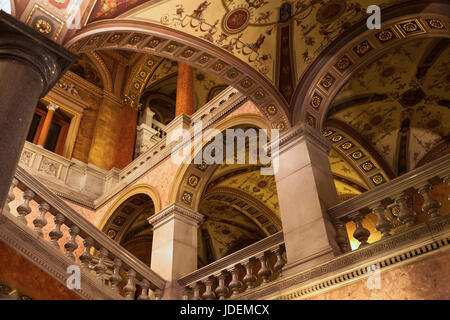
[411,27]
[115,38]
[187,197]
[330,11]
[188,53]
[271,110]
[259,94]
[203,59]
[119,221]
[378,179]
[232,73]
[193,180]
[362,48]
[358,154]
[246,83]
[111,233]
[367,166]
[236,20]
[435,24]
[171,47]
[153,43]
[93,40]
[316,100]
[327,81]
[279,126]
[411,97]
[328,132]
[385,35]
[43,25]
[310,120]
[135,39]
[346,145]
[337,138]
[218,66]
[343,63]
[202,167]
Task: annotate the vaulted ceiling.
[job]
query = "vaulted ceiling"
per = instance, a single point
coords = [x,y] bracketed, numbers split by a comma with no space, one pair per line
[397,108]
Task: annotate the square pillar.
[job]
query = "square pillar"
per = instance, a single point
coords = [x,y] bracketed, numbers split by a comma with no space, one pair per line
[305,190]
[174,248]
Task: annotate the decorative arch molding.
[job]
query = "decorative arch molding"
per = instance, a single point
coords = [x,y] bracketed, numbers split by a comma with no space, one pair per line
[358,48]
[102,69]
[126,195]
[191,179]
[252,208]
[165,42]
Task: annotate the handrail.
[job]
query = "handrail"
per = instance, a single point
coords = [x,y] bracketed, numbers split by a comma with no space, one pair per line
[87,229]
[412,179]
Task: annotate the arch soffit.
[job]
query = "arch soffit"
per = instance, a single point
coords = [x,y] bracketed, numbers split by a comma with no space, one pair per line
[127,194]
[165,42]
[191,179]
[358,48]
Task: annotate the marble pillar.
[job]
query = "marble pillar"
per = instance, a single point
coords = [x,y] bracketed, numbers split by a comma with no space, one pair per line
[30,65]
[47,123]
[305,190]
[174,248]
[185,103]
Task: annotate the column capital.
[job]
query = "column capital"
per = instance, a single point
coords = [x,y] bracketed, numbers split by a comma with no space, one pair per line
[23,44]
[175,211]
[299,133]
[52,106]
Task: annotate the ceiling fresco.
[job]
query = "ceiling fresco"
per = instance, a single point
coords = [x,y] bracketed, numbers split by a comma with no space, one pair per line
[399,103]
[249,29]
[86,69]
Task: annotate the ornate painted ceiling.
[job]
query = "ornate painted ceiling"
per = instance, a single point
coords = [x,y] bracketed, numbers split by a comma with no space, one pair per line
[399,104]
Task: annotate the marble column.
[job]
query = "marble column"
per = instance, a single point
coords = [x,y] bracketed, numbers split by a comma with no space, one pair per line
[305,190]
[174,248]
[30,65]
[185,103]
[46,126]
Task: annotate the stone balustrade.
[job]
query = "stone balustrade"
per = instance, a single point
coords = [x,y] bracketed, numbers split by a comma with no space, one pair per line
[81,242]
[394,204]
[246,269]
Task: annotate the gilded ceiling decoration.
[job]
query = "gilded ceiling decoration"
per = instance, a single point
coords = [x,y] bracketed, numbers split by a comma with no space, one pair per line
[86,69]
[399,103]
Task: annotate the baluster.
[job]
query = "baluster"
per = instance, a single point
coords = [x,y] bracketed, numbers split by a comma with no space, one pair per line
[10,197]
[24,209]
[430,205]
[279,264]
[361,234]
[100,268]
[406,215]
[71,245]
[40,221]
[383,225]
[116,277]
[341,236]
[264,272]
[186,293]
[235,285]
[56,233]
[130,288]
[197,288]
[209,292]
[222,290]
[250,278]
[158,294]
[86,256]
[145,284]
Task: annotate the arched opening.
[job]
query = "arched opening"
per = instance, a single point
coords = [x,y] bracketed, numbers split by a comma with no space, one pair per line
[128,225]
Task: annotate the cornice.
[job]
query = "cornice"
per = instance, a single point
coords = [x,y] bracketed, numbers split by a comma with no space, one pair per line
[175,211]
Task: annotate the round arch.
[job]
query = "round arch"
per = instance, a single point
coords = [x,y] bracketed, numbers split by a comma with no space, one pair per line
[358,48]
[127,194]
[195,177]
[157,40]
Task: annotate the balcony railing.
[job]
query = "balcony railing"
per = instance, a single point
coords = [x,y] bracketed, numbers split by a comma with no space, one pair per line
[243,270]
[393,204]
[80,239]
